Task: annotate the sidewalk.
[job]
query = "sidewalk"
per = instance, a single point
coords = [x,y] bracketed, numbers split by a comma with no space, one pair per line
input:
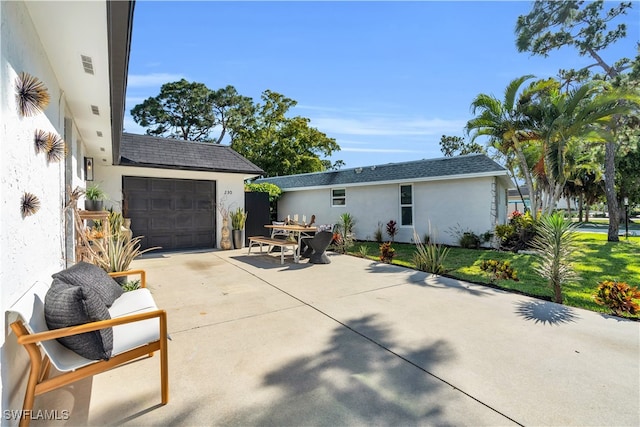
[357,342]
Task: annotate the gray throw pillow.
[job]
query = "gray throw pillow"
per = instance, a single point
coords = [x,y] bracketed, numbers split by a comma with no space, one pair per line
[91,276]
[68,305]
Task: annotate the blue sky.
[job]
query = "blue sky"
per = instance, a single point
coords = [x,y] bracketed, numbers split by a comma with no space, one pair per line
[385,79]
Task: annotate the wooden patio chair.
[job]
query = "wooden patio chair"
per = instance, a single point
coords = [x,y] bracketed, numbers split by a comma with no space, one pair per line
[139,329]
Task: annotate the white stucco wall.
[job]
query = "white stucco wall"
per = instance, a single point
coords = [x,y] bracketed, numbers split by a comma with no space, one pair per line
[229,187]
[439,206]
[31,248]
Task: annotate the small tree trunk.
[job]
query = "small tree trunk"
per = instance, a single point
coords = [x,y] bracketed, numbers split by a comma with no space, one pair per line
[610,191]
[557,293]
[580,207]
[586,213]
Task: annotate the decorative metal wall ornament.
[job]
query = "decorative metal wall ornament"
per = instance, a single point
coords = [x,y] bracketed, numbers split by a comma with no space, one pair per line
[41,139]
[56,148]
[29,204]
[31,94]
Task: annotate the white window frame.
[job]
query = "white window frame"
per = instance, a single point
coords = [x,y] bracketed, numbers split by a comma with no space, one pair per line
[334,198]
[406,205]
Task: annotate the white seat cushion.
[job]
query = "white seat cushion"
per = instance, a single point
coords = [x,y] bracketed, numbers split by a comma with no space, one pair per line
[132,335]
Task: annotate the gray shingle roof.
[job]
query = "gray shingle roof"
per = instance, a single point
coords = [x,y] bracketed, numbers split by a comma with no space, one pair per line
[472,164]
[167,153]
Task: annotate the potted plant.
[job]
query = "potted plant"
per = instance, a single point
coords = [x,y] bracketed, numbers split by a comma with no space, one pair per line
[94,198]
[238,219]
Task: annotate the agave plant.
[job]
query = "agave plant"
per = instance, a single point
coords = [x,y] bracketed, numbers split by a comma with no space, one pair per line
[429,256]
[115,252]
[555,242]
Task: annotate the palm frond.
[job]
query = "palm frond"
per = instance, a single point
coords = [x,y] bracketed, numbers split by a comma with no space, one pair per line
[512,90]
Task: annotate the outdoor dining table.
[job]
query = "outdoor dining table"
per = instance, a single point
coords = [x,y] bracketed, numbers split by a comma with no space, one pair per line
[296,232]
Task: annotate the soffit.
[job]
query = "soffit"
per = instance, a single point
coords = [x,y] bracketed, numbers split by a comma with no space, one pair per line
[68,30]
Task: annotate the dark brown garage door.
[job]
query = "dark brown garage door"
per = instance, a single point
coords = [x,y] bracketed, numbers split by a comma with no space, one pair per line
[171,213]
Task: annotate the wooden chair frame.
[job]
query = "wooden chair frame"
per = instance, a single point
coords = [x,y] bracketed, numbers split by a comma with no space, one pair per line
[39,381]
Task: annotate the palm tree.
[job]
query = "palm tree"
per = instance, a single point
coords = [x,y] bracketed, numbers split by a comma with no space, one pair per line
[565,122]
[585,182]
[508,128]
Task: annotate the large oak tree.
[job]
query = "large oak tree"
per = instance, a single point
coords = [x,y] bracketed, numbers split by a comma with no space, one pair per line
[282,145]
[263,133]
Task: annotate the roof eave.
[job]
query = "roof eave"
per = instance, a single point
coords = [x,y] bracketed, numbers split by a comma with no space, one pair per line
[404,180]
[119,29]
[127,162]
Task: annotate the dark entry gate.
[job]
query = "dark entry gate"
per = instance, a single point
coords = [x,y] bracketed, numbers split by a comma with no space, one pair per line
[257,205]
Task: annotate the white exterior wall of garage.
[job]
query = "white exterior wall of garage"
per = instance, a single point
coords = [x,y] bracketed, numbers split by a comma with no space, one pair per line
[229,186]
[439,206]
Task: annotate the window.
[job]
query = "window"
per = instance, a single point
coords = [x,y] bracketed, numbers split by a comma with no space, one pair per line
[338,197]
[406,205]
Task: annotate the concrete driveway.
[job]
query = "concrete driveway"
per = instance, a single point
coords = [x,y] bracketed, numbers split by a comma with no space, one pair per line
[357,342]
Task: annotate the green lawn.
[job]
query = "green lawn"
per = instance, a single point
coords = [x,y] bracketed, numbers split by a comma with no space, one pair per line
[595,260]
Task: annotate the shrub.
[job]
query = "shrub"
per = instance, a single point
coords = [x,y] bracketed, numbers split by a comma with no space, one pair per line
[469,240]
[343,239]
[387,252]
[499,270]
[392,229]
[518,233]
[378,234]
[429,256]
[618,296]
[363,251]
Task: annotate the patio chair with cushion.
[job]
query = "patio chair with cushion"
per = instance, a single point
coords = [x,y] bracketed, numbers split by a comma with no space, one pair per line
[84,324]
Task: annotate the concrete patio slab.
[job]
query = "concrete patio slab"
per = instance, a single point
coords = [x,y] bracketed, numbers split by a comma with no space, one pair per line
[357,342]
